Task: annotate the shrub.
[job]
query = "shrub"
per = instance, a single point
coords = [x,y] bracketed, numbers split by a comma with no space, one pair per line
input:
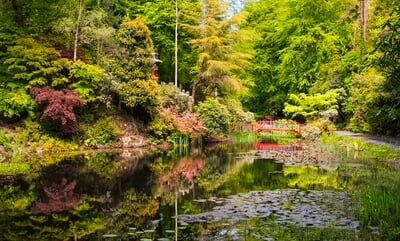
[170,121]
[310,132]
[5,139]
[102,132]
[29,132]
[172,96]
[238,114]
[59,107]
[324,125]
[310,107]
[215,116]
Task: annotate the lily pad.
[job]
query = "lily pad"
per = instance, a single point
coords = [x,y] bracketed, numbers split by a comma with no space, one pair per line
[110,235]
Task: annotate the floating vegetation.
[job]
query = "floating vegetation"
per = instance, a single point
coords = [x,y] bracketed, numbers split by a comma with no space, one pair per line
[110,235]
[286,207]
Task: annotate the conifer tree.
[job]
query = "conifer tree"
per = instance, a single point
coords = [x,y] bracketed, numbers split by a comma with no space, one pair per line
[217,61]
[133,68]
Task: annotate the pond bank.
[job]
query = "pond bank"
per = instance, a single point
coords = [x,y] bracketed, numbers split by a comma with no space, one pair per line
[379,140]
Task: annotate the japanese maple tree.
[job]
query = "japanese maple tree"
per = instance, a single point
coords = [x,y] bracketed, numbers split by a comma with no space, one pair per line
[58,107]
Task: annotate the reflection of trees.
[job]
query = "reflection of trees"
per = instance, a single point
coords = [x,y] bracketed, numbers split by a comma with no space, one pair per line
[311,177]
[134,210]
[262,174]
[59,197]
[177,176]
[17,223]
[63,202]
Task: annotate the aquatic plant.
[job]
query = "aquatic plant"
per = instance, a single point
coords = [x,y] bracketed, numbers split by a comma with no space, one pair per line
[377,200]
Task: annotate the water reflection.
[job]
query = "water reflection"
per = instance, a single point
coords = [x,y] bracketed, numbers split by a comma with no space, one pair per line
[133,195]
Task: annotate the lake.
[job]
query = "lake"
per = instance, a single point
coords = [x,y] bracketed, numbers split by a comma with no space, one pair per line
[243,191]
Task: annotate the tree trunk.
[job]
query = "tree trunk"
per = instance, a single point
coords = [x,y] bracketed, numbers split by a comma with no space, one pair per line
[194,91]
[78,21]
[364,17]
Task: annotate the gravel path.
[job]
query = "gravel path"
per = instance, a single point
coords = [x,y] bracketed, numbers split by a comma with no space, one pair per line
[392,142]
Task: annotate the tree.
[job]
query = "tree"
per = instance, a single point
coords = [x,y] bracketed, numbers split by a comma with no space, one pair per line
[384,114]
[294,42]
[217,61]
[26,63]
[27,17]
[309,107]
[59,107]
[133,67]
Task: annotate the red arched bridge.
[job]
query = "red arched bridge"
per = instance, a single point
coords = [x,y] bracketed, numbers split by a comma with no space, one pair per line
[273,125]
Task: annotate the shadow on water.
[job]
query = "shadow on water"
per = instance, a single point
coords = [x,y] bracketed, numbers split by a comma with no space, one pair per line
[246,191]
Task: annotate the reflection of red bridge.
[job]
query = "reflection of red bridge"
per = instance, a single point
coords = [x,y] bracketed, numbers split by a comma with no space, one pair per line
[277,147]
[272,125]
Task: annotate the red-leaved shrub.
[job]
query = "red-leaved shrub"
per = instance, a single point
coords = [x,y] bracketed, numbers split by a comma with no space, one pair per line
[58,106]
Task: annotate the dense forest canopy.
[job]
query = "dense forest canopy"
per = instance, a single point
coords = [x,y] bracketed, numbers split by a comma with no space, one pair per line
[60,59]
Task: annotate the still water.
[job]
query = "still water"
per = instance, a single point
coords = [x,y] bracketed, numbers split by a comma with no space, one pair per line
[221,192]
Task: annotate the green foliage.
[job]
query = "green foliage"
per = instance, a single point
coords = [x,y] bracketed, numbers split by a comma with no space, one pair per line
[5,139]
[294,45]
[15,102]
[217,61]
[55,145]
[140,93]
[103,131]
[171,124]
[29,131]
[86,79]
[376,197]
[310,106]
[133,68]
[134,35]
[367,87]
[384,113]
[215,116]
[35,64]
[235,108]
[162,125]
[172,96]
[14,168]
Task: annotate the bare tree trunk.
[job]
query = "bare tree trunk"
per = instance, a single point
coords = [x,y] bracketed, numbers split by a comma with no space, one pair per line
[194,86]
[78,21]
[364,17]
[176,43]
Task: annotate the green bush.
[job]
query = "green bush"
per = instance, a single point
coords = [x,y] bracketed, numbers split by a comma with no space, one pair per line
[310,107]
[162,125]
[172,96]
[30,131]
[216,117]
[238,114]
[5,139]
[102,132]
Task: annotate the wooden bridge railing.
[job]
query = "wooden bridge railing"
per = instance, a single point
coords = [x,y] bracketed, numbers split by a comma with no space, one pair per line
[273,125]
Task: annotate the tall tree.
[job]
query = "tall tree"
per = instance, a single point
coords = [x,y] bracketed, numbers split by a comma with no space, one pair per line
[296,39]
[217,61]
[384,114]
[132,69]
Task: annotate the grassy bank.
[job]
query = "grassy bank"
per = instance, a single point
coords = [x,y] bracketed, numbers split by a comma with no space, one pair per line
[372,174]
